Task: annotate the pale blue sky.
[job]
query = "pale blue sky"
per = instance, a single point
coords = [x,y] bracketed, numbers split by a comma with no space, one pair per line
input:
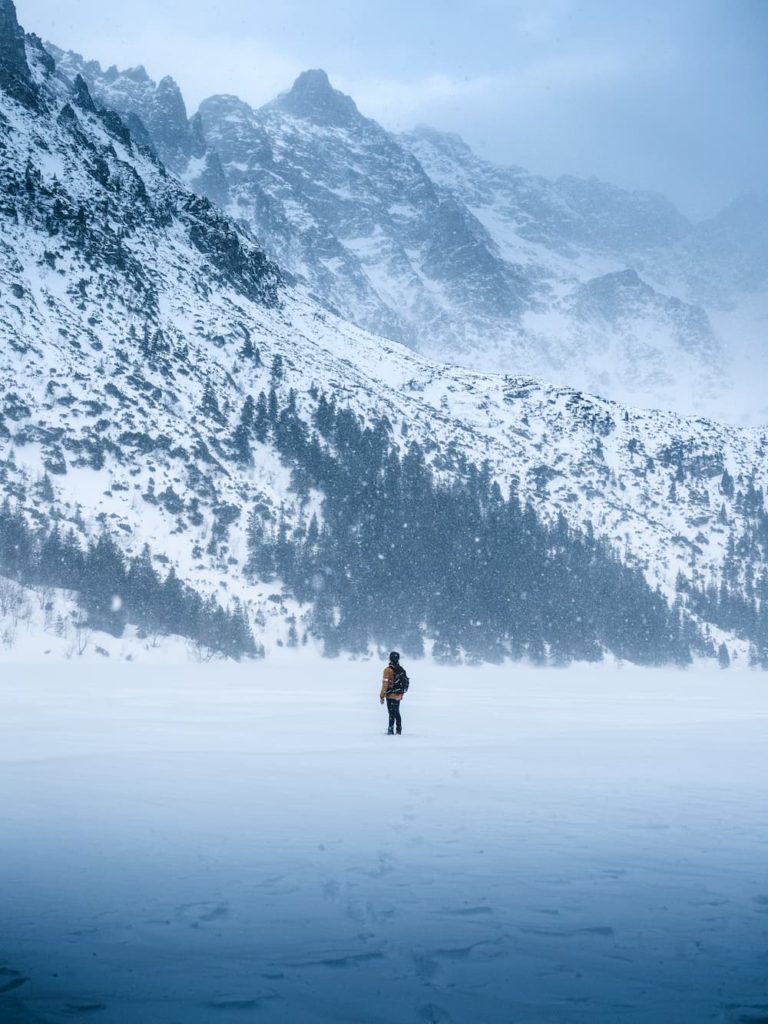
[665,96]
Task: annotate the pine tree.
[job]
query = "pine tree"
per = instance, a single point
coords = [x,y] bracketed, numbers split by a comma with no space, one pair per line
[46,490]
[210,403]
[261,419]
[241,437]
[293,635]
[103,585]
[272,406]
[247,352]
[277,370]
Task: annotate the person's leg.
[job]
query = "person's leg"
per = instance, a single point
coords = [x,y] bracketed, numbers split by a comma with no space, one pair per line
[391,708]
[398,720]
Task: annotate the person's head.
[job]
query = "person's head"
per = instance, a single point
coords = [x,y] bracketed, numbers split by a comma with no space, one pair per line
[394,657]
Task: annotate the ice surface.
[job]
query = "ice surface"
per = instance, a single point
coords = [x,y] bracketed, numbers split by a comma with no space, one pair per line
[231,843]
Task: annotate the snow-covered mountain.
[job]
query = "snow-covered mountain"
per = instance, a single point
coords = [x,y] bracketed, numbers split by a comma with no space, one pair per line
[417,238]
[138,321]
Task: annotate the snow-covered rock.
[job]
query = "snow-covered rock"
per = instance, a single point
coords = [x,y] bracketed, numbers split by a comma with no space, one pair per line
[416,238]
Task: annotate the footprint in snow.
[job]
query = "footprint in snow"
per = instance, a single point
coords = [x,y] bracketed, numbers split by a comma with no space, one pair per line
[603,931]
[10,980]
[196,913]
[351,960]
[426,968]
[367,913]
[252,1003]
[331,889]
[464,952]
[432,1014]
[468,911]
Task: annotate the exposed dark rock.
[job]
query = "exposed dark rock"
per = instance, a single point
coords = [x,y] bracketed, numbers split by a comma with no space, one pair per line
[15,76]
[81,96]
[313,97]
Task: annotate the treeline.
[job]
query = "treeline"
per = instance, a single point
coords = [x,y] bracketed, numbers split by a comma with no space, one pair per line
[397,555]
[739,601]
[115,590]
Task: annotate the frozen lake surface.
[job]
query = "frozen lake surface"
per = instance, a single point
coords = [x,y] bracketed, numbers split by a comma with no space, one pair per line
[210,844]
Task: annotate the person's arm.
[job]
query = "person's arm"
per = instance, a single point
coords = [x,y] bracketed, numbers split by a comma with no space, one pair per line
[385,683]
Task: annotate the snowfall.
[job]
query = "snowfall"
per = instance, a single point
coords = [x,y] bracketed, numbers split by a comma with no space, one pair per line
[223,843]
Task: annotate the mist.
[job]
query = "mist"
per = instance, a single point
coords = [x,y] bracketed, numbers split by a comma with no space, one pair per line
[667,98]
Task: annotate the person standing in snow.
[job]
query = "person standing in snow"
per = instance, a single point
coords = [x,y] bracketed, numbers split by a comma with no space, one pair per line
[394,686]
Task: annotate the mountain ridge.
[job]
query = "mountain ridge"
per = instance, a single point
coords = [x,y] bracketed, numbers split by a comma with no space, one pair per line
[312,96]
[168,382]
[414,237]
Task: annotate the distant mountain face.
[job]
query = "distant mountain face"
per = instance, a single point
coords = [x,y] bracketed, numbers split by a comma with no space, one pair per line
[463,262]
[565,216]
[159,373]
[155,112]
[344,206]
[416,238]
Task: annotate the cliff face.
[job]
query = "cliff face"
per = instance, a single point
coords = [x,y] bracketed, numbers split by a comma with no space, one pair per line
[15,76]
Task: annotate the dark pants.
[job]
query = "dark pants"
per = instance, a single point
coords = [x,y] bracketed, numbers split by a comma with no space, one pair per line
[393,707]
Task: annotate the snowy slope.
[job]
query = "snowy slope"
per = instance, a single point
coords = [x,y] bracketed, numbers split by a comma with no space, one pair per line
[127,303]
[417,238]
[655,281]
[45,626]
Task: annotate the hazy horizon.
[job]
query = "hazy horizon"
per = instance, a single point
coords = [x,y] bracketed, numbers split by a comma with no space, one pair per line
[651,99]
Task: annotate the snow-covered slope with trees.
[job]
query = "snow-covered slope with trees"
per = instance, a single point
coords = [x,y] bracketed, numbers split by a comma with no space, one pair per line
[417,238]
[162,384]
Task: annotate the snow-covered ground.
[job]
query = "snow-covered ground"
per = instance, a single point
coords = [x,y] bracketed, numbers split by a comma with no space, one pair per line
[44,624]
[231,843]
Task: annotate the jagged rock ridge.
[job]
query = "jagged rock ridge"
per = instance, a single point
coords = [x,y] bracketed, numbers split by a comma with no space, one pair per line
[15,76]
[418,239]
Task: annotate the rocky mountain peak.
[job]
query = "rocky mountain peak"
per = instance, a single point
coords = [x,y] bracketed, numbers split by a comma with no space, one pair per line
[168,90]
[314,98]
[747,214]
[449,142]
[155,111]
[225,105]
[138,74]
[82,96]
[15,76]
[230,129]
[420,239]
[168,121]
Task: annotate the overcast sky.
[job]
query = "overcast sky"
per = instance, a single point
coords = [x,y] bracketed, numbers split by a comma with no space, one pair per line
[669,96]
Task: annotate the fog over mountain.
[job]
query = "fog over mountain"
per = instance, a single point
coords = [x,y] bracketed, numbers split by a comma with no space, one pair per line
[416,237]
[653,96]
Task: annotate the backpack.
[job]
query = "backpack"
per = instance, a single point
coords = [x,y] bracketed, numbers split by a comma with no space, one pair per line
[401,681]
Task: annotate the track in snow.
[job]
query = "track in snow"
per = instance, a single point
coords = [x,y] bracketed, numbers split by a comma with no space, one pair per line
[225,844]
